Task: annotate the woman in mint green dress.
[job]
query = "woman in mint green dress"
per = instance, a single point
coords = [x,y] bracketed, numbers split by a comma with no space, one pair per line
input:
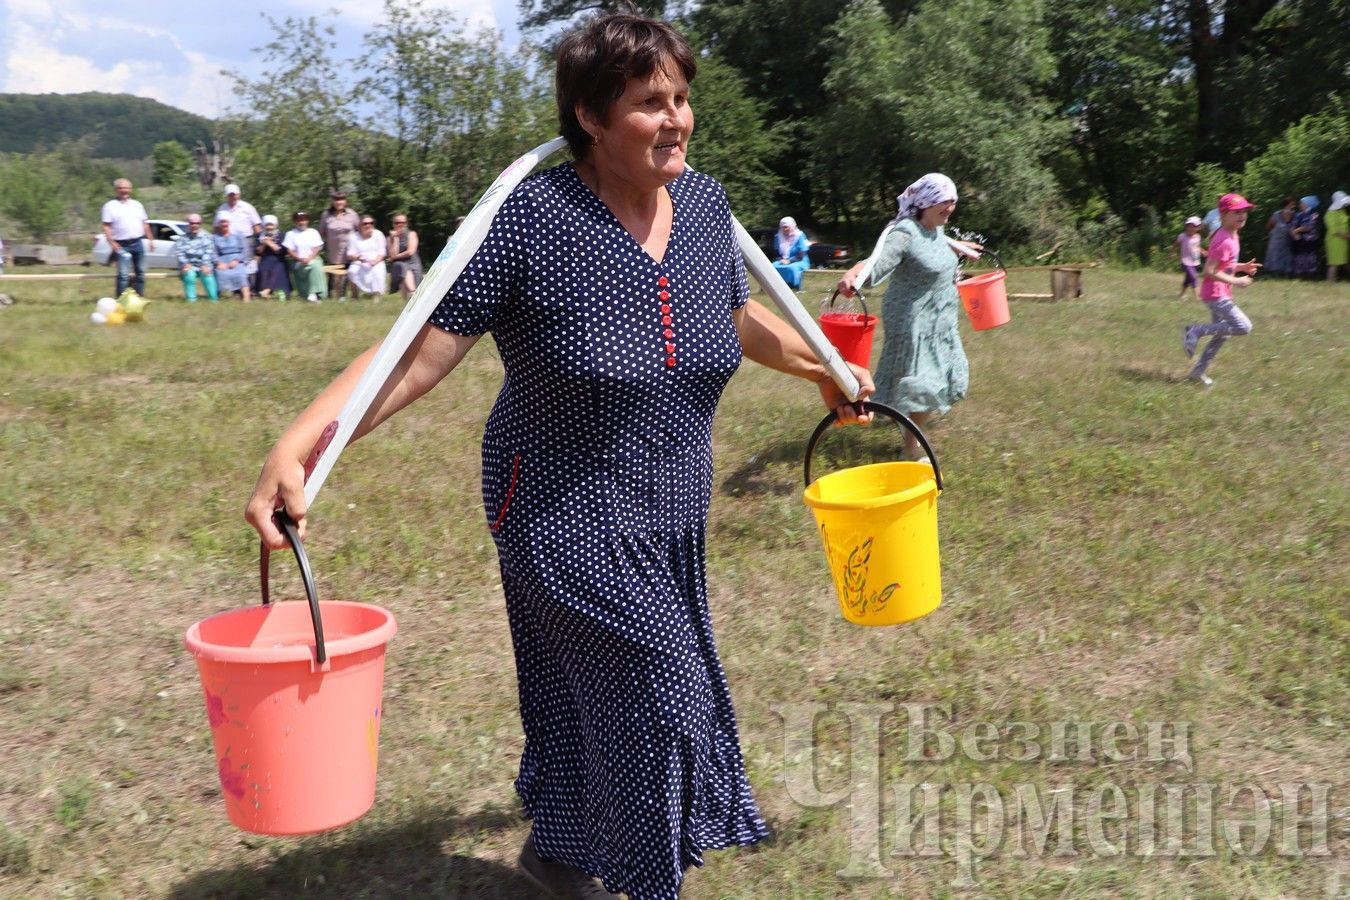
[923,367]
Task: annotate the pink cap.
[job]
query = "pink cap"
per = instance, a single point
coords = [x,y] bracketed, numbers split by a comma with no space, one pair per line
[1231,202]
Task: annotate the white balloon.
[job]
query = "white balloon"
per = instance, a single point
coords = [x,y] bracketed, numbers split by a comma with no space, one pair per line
[98,318]
[106,305]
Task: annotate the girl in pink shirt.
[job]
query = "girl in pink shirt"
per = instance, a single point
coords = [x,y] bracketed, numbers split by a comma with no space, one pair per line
[1222,272]
[1188,244]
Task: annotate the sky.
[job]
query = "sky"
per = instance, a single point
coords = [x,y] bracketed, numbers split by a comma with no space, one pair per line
[175,50]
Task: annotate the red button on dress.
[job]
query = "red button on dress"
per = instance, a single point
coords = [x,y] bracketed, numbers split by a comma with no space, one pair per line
[665,320]
[663,281]
[664,295]
[665,308]
[668,334]
[670,362]
[670,348]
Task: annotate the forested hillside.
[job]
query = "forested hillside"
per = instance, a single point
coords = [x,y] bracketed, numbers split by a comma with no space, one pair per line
[118,126]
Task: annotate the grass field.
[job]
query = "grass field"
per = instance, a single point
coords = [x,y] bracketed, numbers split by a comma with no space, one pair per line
[1119,546]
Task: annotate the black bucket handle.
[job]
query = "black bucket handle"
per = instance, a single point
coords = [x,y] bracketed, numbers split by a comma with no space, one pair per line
[869,406]
[829,307]
[288,527]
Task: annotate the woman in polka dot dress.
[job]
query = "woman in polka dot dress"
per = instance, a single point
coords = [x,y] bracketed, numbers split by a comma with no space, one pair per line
[615,293]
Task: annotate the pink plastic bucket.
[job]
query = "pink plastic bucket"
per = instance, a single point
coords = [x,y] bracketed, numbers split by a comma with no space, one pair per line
[295,716]
[986,299]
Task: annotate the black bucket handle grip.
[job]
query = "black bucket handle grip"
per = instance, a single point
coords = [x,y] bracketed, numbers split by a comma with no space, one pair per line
[288,527]
[870,406]
[857,293]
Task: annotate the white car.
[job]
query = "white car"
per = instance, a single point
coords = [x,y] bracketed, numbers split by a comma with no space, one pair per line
[160,255]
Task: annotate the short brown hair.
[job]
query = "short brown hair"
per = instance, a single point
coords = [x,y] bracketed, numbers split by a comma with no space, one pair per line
[595,62]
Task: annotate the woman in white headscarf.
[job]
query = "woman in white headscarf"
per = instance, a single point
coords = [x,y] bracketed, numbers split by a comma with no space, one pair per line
[923,367]
[791,245]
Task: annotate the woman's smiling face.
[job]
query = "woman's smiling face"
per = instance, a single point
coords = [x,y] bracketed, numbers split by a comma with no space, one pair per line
[648,128]
[937,215]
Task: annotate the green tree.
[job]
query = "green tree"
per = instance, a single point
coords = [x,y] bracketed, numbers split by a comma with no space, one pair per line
[733,143]
[459,107]
[538,13]
[297,139]
[856,149]
[173,163]
[1131,118]
[978,111]
[47,191]
[30,194]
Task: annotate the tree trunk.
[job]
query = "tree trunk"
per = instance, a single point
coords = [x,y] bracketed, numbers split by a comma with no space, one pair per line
[1210,54]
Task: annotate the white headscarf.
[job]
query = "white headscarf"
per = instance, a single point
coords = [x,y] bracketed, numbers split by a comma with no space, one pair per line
[1339,200]
[785,242]
[930,190]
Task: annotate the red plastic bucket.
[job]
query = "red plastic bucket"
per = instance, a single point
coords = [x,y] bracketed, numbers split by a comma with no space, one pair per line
[850,332]
[295,719]
[985,298]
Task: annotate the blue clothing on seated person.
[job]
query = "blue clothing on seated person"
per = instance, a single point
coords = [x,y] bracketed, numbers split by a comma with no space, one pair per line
[797,259]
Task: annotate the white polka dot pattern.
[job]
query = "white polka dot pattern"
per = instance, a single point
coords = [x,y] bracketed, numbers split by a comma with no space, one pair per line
[597,471]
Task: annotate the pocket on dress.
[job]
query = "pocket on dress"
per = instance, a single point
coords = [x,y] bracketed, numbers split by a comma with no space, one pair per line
[506,496]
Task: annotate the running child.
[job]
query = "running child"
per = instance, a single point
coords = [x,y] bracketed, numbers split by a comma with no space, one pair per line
[1188,243]
[1222,271]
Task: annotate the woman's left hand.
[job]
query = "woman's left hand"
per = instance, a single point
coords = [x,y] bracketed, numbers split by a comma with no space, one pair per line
[836,400]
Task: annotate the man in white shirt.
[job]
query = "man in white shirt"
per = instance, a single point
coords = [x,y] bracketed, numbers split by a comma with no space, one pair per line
[127,228]
[244,221]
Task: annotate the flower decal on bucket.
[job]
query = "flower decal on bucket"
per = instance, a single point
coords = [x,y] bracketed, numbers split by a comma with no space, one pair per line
[230,780]
[215,709]
[851,576]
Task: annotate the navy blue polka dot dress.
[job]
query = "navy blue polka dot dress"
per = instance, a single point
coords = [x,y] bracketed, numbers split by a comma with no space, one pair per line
[597,472]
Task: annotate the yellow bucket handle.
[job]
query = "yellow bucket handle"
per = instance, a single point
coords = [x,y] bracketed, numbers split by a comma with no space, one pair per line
[869,406]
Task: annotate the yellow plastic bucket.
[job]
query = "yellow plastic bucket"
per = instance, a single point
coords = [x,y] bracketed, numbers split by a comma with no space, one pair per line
[879,527]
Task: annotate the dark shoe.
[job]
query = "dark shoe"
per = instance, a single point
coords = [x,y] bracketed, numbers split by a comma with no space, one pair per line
[559,879]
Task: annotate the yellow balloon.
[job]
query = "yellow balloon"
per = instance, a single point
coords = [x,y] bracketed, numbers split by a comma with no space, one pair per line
[135,307]
[117,317]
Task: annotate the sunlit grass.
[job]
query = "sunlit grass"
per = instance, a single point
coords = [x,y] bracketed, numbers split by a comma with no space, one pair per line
[1118,545]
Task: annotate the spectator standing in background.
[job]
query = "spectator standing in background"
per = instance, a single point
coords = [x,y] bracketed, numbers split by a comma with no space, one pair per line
[127,228]
[336,226]
[1338,234]
[305,247]
[1306,237]
[1279,253]
[245,223]
[1210,223]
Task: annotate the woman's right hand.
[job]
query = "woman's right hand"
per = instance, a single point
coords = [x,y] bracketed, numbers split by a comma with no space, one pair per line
[281,483]
[848,285]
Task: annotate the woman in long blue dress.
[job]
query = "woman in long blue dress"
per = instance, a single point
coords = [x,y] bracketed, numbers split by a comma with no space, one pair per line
[274,274]
[231,261]
[615,294]
[793,258]
[1279,254]
[923,366]
[1306,238]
